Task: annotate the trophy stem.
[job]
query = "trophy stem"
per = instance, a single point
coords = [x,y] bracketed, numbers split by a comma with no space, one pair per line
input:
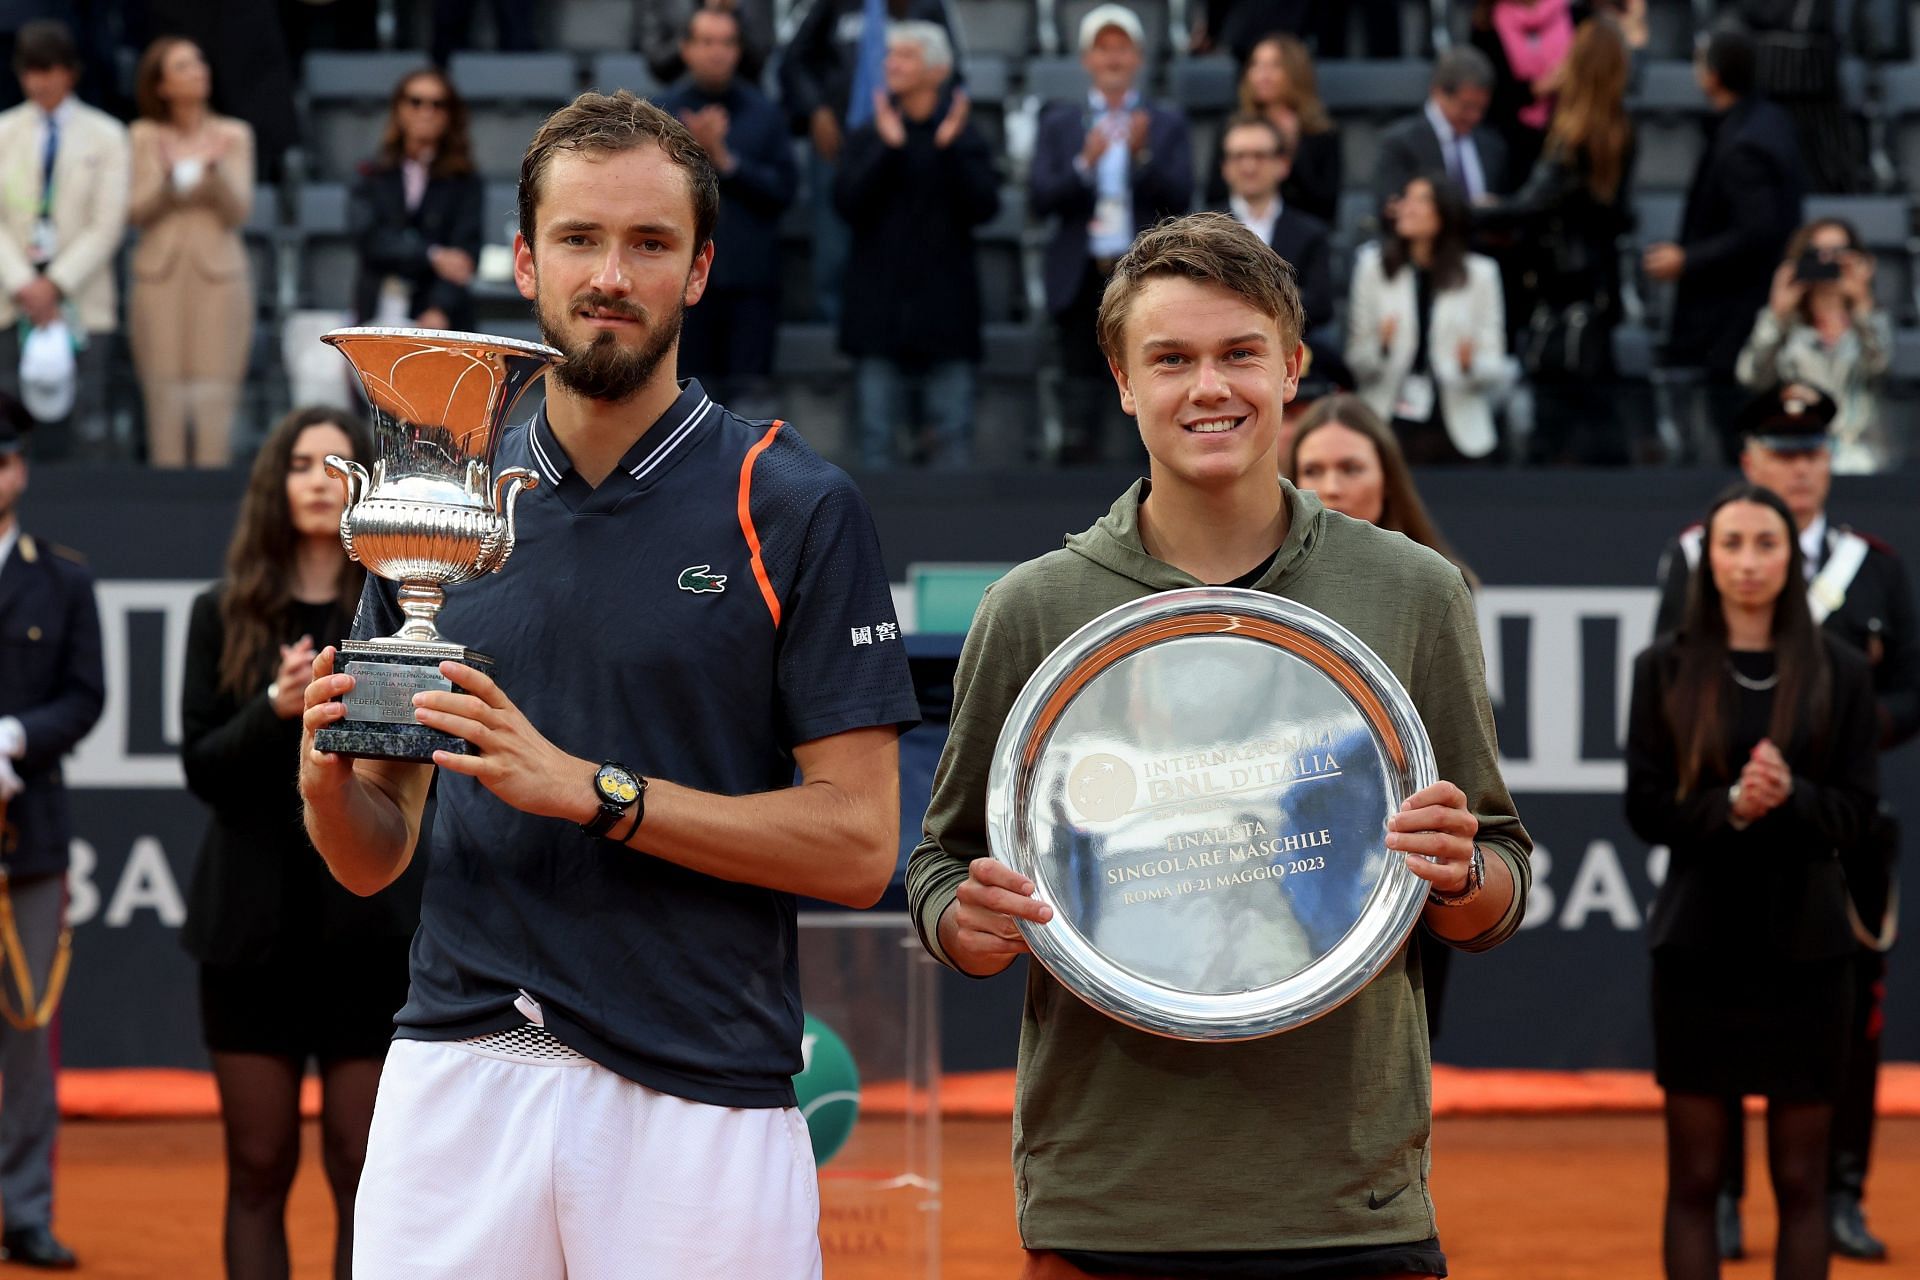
[421,602]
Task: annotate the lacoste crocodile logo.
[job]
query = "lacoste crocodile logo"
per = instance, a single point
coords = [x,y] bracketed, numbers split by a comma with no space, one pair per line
[1377,1202]
[700,580]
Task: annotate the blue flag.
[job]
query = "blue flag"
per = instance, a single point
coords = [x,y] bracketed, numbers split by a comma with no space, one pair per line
[870,72]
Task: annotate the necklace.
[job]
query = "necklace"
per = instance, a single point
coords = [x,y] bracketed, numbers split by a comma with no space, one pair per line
[1748,682]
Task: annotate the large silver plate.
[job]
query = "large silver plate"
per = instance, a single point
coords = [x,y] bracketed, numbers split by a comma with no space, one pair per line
[1199,783]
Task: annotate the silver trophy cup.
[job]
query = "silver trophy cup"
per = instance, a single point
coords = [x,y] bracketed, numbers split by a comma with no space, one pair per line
[428,512]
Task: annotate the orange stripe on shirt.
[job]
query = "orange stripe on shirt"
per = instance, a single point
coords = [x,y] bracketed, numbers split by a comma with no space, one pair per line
[746,521]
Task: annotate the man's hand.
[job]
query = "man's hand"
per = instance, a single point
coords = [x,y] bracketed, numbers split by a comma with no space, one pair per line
[1664,262]
[455,266]
[1137,130]
[886,120]
[825,128]
[323,775]
[432,318]
[978,931]
[289,688]
[1098,140]
[40,299]
[709,127]
[954,121]
[1435,823]
[510,758]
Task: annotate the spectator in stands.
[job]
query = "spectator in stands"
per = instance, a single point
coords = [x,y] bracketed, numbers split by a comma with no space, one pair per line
[1750,754]
[453,27]
[1279,83]
[61,225]
[1742,208]
[1797,67]
[1255,157]
[1822,327]
[1447,139]
[1103,170]
[292,966]
[1571,211]
[190,316]
[1526,41]
[1238,27]
[663,29]
[1426,328]
[253,78]
[829,73]
[913,185]
[728,339]
[415,213]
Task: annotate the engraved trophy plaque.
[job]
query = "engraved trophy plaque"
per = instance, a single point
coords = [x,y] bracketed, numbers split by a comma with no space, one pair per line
[1199,783]
[428,512]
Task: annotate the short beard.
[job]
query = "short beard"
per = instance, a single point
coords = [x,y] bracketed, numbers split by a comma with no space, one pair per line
[603,369]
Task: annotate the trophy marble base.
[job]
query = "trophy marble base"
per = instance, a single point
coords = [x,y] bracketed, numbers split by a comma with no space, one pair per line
[380,724]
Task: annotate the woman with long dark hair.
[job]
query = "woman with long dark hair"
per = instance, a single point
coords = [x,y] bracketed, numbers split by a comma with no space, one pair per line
[416,211]
[1571,213]
[292,966]
[1750,755]
[1350,460]
[1279,84]
[1426,327]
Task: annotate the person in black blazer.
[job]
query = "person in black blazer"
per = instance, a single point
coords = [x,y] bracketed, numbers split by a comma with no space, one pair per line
[415,213]
[1255,156]
[52,688]
[1750,755]
[1104,170]
[1742,207]
[913,185]
[1447,138]
[727,341]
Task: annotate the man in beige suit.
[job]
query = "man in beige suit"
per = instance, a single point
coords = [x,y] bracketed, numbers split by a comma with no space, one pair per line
[63,212]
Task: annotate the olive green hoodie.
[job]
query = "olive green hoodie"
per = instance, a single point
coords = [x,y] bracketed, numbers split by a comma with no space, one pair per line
[1314,1138]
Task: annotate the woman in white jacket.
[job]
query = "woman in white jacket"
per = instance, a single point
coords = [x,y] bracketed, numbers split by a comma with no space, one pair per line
[1426,328]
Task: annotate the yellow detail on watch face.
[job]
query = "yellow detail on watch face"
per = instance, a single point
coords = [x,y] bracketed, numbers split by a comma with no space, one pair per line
[620,788]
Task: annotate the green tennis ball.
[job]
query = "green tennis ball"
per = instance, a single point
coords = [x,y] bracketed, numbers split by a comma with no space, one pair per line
[827,1088]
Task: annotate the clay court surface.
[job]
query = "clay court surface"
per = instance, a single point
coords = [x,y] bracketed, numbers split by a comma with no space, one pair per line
[1531,1198]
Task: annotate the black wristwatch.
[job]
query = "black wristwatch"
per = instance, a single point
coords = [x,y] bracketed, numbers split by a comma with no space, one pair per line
[621,792]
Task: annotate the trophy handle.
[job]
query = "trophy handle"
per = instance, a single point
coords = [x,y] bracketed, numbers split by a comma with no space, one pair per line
[353,477]
[350,474]
[506,493]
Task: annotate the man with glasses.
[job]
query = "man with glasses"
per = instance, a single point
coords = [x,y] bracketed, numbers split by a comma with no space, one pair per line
[1256,158]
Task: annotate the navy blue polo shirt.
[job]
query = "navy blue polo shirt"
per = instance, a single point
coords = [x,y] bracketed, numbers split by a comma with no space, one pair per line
[717,600]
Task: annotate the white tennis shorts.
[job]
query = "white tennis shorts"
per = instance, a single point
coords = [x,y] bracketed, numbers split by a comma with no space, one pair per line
[525,1161]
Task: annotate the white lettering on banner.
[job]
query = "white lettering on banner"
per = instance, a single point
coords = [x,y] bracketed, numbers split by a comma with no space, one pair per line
[1555,662]
[1600,885]
[103,758]
[82,898]
[146,882]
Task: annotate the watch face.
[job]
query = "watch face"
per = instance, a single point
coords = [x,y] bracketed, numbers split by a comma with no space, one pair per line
[616,785]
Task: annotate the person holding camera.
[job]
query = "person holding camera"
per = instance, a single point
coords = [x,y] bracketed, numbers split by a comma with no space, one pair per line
[1821,326]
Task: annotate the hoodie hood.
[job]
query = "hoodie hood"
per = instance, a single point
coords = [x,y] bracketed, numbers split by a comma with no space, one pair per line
[1114,542]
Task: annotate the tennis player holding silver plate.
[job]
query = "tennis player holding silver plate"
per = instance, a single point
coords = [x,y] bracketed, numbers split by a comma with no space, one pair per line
[1199,782]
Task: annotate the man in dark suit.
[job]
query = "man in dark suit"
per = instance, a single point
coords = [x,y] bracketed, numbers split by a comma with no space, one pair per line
[1255,158]
[1742,207]
[1858,590]
[728,339]
[51,692]
[1104,170]
[1446,140]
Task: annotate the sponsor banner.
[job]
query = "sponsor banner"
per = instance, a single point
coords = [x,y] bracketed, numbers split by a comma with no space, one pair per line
[1568,560]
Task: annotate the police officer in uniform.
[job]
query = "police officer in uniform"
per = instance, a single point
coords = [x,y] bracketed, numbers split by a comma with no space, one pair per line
[51,691]
[1858,590]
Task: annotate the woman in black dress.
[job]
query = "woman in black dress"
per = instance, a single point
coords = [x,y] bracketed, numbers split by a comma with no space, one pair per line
[292,966]
[1750,754]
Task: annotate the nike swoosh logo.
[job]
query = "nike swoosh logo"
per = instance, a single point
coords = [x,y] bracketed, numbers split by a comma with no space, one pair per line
[1375,1202]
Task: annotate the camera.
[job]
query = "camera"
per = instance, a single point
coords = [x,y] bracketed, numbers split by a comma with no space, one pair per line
[1815,266]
